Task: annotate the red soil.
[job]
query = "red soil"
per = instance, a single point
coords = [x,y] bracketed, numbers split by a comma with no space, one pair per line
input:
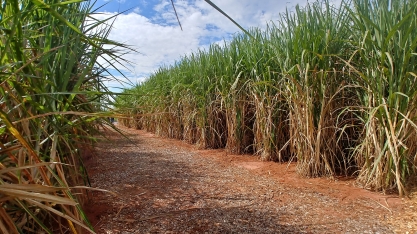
[168,186]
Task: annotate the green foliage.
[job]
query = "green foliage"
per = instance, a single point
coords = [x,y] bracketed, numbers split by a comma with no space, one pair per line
[385,37]
[332,88]
[51,97]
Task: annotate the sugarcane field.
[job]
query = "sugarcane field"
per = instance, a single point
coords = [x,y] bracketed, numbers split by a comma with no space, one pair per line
[206,116]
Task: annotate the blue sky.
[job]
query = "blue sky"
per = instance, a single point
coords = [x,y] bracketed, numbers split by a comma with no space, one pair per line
[145,7]
[151,28]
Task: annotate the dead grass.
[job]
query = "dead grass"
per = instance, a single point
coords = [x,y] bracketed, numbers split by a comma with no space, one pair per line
[168,186]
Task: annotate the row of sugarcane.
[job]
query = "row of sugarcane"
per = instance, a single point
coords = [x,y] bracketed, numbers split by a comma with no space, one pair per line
[330,87]
[52,99]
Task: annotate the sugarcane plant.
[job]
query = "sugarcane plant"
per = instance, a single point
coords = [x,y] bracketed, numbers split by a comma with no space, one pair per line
[330,87]
[384,61]
[52,98]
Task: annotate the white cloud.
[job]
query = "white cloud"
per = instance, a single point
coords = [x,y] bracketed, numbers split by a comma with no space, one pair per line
[137,10]
[161,5]
[160,40]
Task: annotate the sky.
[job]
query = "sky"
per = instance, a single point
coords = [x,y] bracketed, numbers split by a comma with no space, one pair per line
[151,28]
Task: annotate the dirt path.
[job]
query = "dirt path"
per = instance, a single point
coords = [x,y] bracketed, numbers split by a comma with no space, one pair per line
[167,186]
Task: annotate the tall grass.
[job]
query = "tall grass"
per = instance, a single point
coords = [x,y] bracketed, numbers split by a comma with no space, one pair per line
[330,87]
[310,39]
[385,36]
[51,96]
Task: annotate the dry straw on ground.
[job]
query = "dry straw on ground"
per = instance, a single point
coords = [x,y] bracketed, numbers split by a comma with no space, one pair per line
[168,186]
